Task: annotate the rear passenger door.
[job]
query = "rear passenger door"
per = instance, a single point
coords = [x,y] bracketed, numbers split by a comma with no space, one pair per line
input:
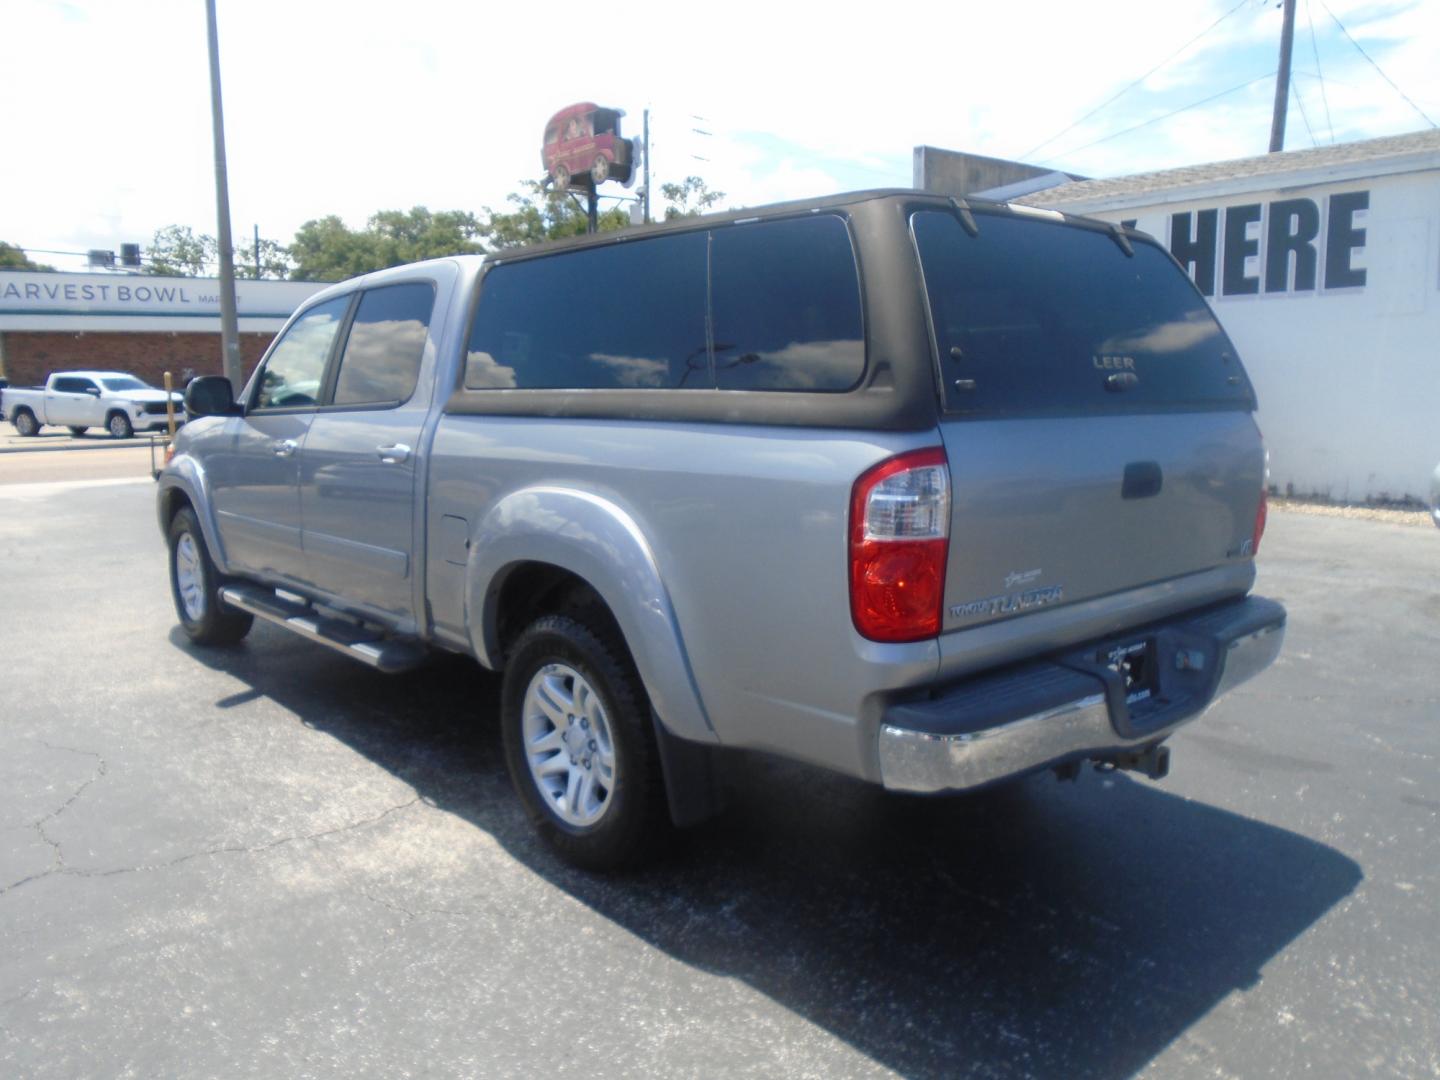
[359,468]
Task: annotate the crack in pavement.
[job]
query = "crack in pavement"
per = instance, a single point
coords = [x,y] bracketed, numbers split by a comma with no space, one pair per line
[231,849]
[57,862]
[406,914]
[16,999]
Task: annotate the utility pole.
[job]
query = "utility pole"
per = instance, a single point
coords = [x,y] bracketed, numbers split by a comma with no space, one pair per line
[1282,80]
[645,191]
[257,252]
[229,326]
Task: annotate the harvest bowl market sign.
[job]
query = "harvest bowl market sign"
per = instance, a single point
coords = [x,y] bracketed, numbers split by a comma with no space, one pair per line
[90,302]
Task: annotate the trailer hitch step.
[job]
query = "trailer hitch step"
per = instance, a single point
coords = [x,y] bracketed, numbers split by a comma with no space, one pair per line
[1150,761]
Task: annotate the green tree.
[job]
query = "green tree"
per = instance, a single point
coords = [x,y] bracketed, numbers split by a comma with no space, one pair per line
[539,213]
[177,251]
[689,199]
[274,261]
[14,258]
[326,249]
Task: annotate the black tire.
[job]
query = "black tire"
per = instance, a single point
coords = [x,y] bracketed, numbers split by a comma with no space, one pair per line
[119,426]
[78,431]
[207,619]
[25,423]
[635,820]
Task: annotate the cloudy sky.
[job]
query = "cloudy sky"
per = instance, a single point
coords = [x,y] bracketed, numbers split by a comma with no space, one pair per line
[352,107]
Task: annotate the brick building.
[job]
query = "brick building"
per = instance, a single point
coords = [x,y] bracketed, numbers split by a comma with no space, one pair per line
[145,325]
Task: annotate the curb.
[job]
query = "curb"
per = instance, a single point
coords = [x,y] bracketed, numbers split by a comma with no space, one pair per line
[101,443]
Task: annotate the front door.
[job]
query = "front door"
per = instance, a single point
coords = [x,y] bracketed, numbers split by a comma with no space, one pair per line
[255,479]
[358,476]
[71,402]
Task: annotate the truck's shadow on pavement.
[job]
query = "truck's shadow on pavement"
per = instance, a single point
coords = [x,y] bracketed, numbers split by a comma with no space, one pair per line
[1048,929]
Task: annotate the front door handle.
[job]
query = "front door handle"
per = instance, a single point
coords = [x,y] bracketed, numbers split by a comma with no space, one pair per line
[284,448]
[395,454]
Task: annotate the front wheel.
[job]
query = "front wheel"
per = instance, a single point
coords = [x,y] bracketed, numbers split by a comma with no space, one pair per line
[195,587]
[119,426]
[579,744]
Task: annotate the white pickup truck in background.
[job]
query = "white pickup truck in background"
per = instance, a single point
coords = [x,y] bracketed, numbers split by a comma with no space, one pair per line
[80,400]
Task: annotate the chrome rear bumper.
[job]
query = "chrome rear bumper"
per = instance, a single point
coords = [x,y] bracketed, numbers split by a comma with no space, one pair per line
[1072,707]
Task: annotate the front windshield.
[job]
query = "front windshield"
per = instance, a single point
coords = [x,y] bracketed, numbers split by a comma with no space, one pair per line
[127,382]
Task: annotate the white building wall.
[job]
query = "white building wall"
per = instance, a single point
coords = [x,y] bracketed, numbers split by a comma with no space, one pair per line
[1348,378]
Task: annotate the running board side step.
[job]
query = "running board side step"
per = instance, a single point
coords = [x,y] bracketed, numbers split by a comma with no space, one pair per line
[390,655]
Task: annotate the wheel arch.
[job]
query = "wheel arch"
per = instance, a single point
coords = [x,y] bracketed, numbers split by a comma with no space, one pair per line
[183,484]
[536,544]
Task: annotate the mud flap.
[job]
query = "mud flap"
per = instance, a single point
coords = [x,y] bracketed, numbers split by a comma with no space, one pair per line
[692,779]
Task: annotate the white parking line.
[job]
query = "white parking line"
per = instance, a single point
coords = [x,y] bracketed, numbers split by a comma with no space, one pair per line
[45,488]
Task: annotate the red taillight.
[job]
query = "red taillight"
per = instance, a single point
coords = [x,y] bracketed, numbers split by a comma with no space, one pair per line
[899,542]
[1261,513]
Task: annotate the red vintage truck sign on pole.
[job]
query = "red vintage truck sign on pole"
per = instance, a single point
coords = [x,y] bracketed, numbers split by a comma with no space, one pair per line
[584,147]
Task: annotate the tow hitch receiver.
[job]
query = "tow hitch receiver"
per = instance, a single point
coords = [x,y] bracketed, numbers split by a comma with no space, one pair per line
[1152,761]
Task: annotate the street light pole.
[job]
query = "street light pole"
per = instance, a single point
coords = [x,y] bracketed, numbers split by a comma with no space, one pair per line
[229,326]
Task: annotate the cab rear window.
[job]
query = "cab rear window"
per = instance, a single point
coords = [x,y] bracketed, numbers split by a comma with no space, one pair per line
[765,305]
[1034,316]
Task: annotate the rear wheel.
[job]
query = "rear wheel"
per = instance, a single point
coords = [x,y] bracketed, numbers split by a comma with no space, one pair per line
[561,176]
[195,587]
[78,431]
[579,743]
[119,426]
[25,423]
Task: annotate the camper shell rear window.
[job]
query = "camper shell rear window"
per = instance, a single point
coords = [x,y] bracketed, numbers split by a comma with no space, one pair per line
[1036,316]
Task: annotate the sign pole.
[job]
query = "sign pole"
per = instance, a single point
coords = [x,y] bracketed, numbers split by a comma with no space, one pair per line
[592,219]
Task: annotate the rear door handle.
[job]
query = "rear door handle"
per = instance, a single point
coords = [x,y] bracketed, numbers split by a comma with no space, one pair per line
[394,454]
[284,448]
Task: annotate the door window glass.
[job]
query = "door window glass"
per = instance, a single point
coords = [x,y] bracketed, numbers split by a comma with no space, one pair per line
[295,368]
[786,306]
[381,362]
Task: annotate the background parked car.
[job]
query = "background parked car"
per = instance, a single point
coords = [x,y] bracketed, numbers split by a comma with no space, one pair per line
[80,400]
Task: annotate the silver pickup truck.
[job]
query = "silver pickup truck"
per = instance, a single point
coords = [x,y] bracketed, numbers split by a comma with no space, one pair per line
[936,494]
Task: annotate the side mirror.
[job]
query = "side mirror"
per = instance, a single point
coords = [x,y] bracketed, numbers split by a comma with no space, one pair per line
[93,391]
[210,395]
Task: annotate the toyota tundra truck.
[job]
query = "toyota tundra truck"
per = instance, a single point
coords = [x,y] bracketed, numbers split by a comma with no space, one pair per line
[929,492]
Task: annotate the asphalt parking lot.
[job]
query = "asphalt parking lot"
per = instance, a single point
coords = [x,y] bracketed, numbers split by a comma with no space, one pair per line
[269,861]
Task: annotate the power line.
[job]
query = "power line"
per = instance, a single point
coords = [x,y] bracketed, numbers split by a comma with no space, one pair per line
[1315,48]
[1130,86]
[1376,66]
[1173,112]
[1295,93]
